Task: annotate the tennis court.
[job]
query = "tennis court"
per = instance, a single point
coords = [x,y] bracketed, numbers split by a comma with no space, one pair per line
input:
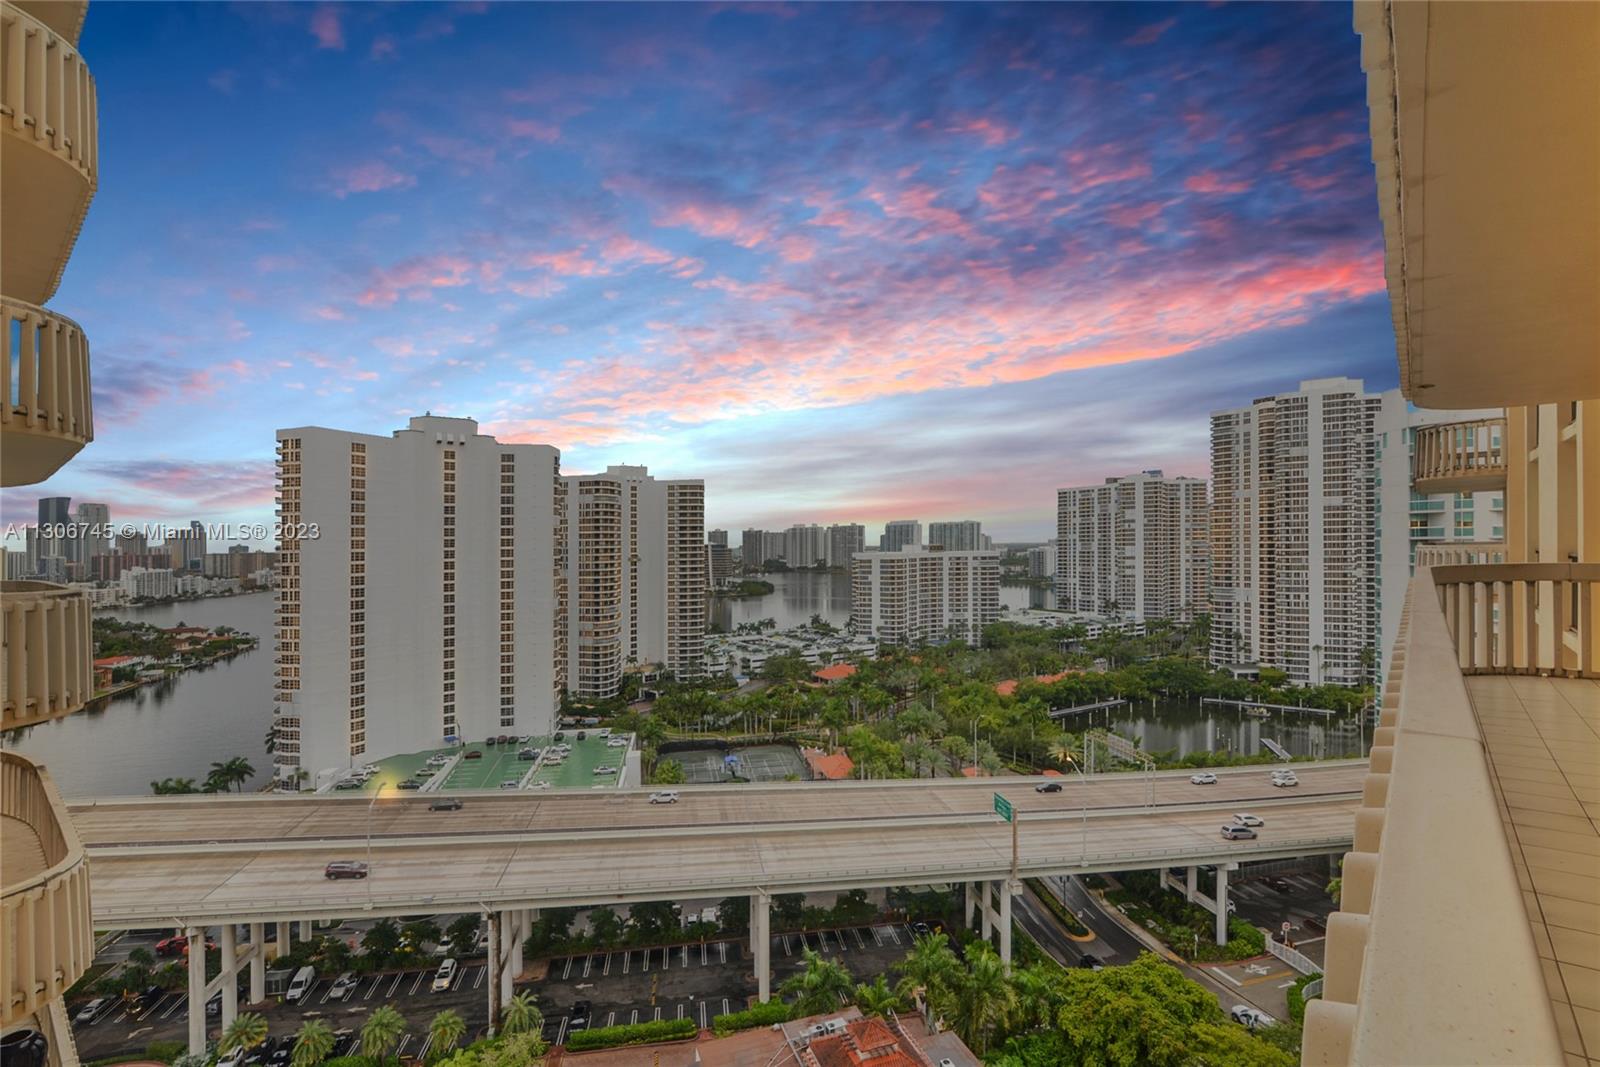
[757,763]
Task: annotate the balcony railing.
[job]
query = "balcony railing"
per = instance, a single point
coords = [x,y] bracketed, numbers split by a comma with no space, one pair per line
[1456,553]
[48,117]
[1459,457]
[1431,855]
[45,913]
[46,411]
[47,669]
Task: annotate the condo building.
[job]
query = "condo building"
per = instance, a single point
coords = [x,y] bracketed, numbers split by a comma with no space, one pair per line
[918,594]
[1134,547]
[1294,537]
[805,546]
[1042,559]
[49,155]
[900,533]
[422,594]
[637,568]
[963,536]
[844,541]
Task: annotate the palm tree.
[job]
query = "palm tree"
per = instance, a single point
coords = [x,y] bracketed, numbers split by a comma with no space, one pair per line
[931,967]
[1037,996]
[1062,751]
[381,1033]
[819,987]
[239,771]
[247,1030]
[983,999]
[877,998]
[443,1033]
[312,1044]
[522,1015]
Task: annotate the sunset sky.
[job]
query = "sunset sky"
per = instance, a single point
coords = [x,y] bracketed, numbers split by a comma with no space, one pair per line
[845,263]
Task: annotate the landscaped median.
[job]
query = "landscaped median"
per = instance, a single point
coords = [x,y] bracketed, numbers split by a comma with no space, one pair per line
[773,1011]
[1075,929]
[632,1034]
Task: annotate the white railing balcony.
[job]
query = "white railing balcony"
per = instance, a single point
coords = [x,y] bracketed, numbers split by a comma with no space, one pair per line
[1456,553]
[1486,718]
[49,155]
[46,410]
[47,661]
[1459,457]
[46,935]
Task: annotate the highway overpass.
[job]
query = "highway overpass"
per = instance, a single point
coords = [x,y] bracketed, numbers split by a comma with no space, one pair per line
[218,860]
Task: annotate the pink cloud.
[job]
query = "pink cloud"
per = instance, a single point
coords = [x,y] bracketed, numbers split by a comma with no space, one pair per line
[326,27]
[371,177]
[1150,34]
[1208,181]
[413,278]
[991,132]
[383,47]
[532,129]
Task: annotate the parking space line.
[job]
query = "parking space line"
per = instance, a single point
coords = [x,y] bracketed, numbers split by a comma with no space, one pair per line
[645,966]
[417,983]
[722,950]
[666,959]
[633,1017]
[566,972]
[477,982]
[702,953]
[684,958]
[680,1011]
[561,1034]
[607,968]
[787,950]
[658,1013]
[373,988]
[460,978]
[627,956]
[326,993]
[422,1053]
[587,960]
[611,1017]
[404,1041]
[861,942]
[724,1005]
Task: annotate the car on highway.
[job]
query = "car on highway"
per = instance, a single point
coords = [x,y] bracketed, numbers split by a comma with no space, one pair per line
[1235,832]
[444,976]
[1090,963]
[345,869]
[1203,778]
[342,986]
[446,804]
[1244,818]
[664,796]
[579,1017]
[1047,787]
[91,1011]
[1248,1016]
[1277,885]
[1284,781]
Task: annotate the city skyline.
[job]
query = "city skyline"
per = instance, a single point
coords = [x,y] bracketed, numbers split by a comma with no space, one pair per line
[923,257]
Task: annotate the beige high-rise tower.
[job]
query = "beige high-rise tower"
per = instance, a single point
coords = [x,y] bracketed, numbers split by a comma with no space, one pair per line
[48,174]
[1135,547]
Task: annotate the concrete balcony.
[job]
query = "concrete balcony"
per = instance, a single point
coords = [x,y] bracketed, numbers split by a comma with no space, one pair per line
[1456,553]
[1459,457]
[52,415]
[48,939]
[48,162]
[47,661]
[63,16]
[1467,924]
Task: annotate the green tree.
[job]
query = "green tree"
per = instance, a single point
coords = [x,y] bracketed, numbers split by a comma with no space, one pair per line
[444,1032]
[821,986]
[604,926]
[381,1032]
[668,772]
[462,933]
[522,1015]
[381,940]
[312,1044]
[420,932]
[789,910]
[1140,1013]
[653,921]
[1037,995]
[983,999]
[878,998]
[931,967]
[733,914]
[517,1050]
[247,1030]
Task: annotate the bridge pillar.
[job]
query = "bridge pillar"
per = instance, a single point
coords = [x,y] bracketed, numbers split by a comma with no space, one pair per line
[305,929]
[258,963]
[1190,884]
[518,936]
[972,901]
[1222,903]
[285,936]
[761,931]
[1006,889]
[493,984]
[230,971]
[502,962]
[197,989]
[985,910]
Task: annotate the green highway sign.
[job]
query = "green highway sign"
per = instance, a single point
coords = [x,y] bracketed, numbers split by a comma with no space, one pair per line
[1003,808]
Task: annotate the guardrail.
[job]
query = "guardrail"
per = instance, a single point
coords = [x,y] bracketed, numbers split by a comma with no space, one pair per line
[1452,457]
[1293,957]
[1521,618]
[1456,553]
[52,416]
[48,665]
[637,888]
[48,939]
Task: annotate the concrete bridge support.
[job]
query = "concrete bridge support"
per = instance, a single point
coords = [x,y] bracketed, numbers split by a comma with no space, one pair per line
[1217,906]
[197,989]
[507,931]
[258,963]
[972,901]
[997,914]
[761,943]
[285,933]
[230,971]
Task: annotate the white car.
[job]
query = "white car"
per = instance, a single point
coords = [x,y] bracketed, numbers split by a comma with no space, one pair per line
[1244,818]
[233,1057]
[604,769]
[666,796]
[1203,778]
[1250,1017]
[541,785]
[1283,781]
[444,976]
[342,986]
[91,1011]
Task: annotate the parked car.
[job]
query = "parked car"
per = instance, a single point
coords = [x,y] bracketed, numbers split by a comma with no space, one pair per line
[1047,787]
[446,804]
[580,1015]
[617,742]
[527,754]
[91,1011]
[151,994]
[473,753]
[665,796]
[1203,778]
[514,783]
[300,985]
[345,869]
[490,740]
[232,1058]
[409,784]
[349,783]
[262,1052]
[344,1043]
[605,769]
[1235,832]
[1248,1016]
[282,1055]
[342,986]
[921,929]
[1244,818]
[444,976]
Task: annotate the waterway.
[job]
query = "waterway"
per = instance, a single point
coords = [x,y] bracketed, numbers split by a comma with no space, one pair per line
[175,728]
[1181,727]
[798,595]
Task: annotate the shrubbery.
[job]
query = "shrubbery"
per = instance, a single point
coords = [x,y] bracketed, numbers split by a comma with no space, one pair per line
[773,1011]
[632,1034]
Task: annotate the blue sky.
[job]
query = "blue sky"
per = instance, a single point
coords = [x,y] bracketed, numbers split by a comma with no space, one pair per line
[844,262]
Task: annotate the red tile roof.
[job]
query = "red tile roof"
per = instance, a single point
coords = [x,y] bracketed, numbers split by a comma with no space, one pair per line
[835,768]
[836,673]
[1009,686]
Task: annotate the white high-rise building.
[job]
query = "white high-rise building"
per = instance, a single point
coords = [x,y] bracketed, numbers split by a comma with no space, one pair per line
[844,541]
[900,533]
[636,566]
[919,594]
[422,591]
[965,535]
[1294,538]
[1042,560]
[805,546]
[1133,547]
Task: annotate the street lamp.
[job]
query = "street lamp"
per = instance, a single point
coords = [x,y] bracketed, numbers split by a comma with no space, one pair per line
[1083,780]
[371,804]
